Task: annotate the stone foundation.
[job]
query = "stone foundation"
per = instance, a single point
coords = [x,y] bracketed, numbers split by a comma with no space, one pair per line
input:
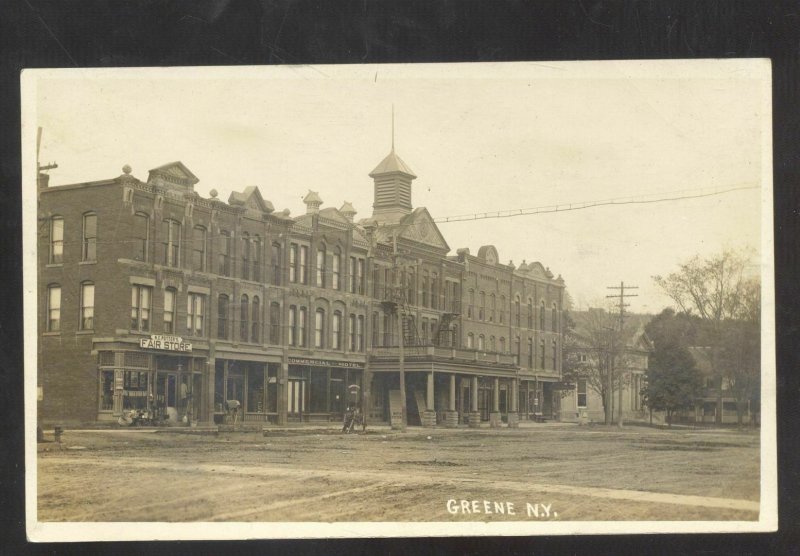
[495,420]
[474,420]
[513,420]
[450,418]
[428,418]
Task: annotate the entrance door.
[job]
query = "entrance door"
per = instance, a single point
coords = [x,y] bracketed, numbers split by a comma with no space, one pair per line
[166,389]
[463,402]
[484,399]
[296,395]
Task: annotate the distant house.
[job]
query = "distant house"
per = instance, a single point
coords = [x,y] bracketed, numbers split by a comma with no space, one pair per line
[590,348]
[706,406]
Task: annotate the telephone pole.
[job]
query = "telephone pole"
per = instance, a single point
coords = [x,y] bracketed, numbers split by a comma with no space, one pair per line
[621,295]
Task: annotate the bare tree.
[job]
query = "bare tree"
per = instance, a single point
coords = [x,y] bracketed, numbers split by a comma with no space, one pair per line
[712,288]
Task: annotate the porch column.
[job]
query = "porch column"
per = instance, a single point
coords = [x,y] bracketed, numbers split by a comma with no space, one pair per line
[429,415]
[495,419]
[513,412]
[474,415]
[451,415]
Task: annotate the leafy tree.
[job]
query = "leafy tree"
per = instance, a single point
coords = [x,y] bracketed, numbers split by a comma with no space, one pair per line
[713,289]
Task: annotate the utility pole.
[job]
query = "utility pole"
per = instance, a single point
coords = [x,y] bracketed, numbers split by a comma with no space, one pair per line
[622,295]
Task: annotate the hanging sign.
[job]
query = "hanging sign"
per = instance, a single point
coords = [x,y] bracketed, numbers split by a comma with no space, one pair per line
[164,342]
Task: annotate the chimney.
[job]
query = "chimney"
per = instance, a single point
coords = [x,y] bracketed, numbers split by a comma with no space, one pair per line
[312,201]
[348,211]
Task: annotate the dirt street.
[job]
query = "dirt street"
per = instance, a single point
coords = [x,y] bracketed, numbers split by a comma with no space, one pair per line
[555,472]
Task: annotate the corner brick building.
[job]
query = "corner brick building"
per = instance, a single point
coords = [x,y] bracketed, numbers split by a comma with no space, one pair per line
[150,296]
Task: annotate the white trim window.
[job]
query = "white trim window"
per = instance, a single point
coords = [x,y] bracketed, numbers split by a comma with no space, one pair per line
[140,307]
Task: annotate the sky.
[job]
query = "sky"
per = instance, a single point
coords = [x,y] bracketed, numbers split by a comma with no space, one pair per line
[480,137]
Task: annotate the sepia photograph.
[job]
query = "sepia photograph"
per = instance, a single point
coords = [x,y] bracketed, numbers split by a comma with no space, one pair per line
[518,298]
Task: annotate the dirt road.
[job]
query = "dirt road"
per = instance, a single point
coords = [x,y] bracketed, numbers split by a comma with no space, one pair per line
[537,473]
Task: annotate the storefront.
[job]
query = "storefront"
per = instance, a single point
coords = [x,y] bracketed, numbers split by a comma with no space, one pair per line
[253,384]
[321,389]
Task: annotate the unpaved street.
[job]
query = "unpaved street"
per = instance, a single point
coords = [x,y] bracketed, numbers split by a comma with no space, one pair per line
[533,473]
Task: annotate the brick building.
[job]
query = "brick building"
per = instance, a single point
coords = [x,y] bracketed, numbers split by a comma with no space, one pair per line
[150,296]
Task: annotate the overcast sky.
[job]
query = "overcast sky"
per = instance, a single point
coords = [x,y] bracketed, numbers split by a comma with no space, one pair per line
[480,137]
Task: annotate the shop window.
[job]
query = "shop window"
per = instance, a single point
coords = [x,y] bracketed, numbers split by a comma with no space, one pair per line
[140,307]
[318,390]
[141,236]
[245,256]
[275,255]
[224,256]
[581,393]
[135,390]
[256,395]
[169,310]
[223,307]
[87,306]
[274,323]
[336,337]
[56,239]
[272,388]
[170,240]
[336,268]
[293,263]
[199,248]
[89,252]
[244,310]
[255,332]
[302,323]
[195,311]
[319,328]
[256,254]
[106,390]
[54,308]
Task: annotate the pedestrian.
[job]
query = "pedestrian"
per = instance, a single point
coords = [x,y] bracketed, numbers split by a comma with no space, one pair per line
[349,415]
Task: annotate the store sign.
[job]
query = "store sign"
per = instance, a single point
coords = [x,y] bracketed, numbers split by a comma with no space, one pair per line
[324,363]
[168,343]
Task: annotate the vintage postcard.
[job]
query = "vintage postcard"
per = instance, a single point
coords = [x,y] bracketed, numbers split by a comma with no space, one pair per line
[399,300]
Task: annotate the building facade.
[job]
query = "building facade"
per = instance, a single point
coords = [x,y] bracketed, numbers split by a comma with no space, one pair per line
[150,296]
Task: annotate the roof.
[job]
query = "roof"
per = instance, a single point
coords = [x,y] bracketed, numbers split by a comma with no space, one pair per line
[312,197]
[170,168]
[347,207]
[392,164]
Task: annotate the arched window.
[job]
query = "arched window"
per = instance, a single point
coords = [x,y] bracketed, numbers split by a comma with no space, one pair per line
[336,324]
[375,331]
[541,353]
[199,248]
[481,346]
[411,288]
[224,253]
[336,269]
[54,308]
[517,317]
[87,306]
[360,333]
[387,330]
[470,340]
[434,290]
[502,309]
[352,332]
[171,242]
[456,338]
[275,256]
[170,295]
[222,316]
[517,351]
[256,253]
[555,353]
[425,286]
[90,237]
[530,313]
[56,239]
[554,318]
[293,262]
[195,313]
[492,307]
[141,236]
[302,320]
[471,303]
[255,333]
[292,325]
[275,323]
[320,267]
[245,255]
[541,315]
[319,328]
[303,264]
[502,345]
[482,306]
[530,353]
[492,344]
[243,321]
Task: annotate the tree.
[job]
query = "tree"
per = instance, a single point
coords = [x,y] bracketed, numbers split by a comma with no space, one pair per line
[713,289]
[673,381]
[589,348]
